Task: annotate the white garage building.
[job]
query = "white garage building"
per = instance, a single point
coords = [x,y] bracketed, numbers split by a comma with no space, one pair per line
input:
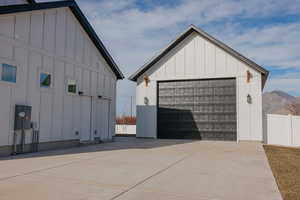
[199,88]
[56,70]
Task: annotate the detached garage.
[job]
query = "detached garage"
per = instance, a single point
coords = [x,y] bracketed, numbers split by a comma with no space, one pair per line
[199,88]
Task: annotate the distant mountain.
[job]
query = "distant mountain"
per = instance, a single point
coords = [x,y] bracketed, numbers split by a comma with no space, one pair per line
[284,95]
[276,102]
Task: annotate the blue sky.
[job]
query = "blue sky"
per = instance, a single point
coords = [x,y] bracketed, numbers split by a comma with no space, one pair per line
[268,32]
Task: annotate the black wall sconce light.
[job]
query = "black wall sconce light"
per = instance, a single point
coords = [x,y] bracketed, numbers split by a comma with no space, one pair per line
[80,93]
[249,99]
[146,100]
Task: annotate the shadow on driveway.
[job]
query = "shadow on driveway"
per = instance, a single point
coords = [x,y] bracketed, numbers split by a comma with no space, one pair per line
[119,143]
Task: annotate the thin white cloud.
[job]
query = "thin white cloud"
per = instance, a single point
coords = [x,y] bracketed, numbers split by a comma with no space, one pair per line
[288,75]
[134,34]
[275,45]
[290,85]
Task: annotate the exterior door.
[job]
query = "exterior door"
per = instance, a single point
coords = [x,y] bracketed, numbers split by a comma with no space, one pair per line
[104,113]
[86,115]
[197,109]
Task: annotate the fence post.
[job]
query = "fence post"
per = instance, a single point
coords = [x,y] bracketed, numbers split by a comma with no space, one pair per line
[268,128]
[290,131]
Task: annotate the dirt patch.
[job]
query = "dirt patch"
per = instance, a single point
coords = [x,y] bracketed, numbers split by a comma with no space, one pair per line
[285,164]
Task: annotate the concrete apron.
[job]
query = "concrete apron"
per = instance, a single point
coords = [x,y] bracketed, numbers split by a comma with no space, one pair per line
[142,169]
[44,146]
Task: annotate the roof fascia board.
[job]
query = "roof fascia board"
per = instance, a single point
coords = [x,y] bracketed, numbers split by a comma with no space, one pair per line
[230,50]
[160,55]
[36,6]
[181,37]
[96,40]
[79,16]
[31,1]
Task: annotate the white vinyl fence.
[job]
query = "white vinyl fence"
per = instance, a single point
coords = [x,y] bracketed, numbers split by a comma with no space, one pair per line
[125,129]
[283,130]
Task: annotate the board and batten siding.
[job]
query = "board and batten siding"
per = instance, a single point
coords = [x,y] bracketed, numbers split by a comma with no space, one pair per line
[198,58]
[53,41]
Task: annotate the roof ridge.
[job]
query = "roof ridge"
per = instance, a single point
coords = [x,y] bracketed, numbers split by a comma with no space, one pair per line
[192,28]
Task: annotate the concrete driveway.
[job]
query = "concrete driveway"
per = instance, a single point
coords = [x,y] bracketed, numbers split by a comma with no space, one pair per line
[136,169]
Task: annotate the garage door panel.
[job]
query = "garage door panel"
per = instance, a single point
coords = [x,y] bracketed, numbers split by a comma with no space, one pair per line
[200,109]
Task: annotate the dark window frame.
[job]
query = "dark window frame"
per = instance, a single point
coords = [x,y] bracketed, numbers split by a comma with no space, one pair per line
[45,82]
[72,85]
[8,78]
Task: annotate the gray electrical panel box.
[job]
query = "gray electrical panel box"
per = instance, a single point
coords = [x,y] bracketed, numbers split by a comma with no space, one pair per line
[22,117]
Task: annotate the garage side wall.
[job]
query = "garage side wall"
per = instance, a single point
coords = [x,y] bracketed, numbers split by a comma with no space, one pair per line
[52,41]
[197,58]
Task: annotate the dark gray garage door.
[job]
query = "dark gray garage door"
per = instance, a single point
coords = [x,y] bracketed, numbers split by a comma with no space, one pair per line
[197,109]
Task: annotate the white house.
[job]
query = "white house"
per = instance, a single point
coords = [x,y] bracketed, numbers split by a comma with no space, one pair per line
[58,72]
[199,88]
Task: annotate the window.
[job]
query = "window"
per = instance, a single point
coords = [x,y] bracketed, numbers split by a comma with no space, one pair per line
[9,73]
[72,87]
[45,80]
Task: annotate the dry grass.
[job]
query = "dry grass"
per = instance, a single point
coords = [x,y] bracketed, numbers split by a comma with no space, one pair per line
[126,120]
[285,164]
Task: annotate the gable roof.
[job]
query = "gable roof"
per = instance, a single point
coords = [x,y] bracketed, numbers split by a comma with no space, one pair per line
[32,6]
[205,35]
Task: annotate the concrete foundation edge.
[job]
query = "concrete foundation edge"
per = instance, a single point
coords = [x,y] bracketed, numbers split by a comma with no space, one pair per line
[44,146]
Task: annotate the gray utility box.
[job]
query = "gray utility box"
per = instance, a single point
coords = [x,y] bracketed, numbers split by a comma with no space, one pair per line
[22,122]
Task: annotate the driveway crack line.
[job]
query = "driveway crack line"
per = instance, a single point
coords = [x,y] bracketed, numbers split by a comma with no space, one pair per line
[48,168]
[150,177]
